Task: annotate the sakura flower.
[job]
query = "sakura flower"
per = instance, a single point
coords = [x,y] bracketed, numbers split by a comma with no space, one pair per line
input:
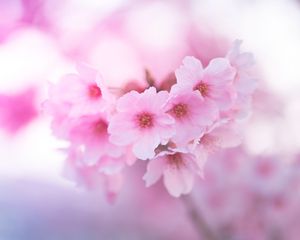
[222,134]
[242,62]
[245,82]
[60,124]
[213,83]
[191,114]
[178,168]
[89,176]
[140,121]
[85,92]
[90,132]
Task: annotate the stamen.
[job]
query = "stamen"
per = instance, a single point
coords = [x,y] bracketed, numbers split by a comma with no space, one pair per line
[145,120]
[210,142]
[180,110]
[203,88]
[175,160]
[100,127]
[94,91]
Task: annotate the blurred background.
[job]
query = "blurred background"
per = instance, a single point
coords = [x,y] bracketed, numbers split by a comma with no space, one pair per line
[250,192]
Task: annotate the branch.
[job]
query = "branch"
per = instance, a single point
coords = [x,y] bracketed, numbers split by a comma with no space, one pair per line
[204,231]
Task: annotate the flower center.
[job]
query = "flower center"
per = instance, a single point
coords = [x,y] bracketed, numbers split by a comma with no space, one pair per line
[203,88]
[100,127]
[145,120]
[94,91]
[207,139]
[180,110]
[209,142]
[175,160]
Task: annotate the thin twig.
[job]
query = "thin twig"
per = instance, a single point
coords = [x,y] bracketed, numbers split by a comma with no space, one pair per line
[149,78]
[204,231]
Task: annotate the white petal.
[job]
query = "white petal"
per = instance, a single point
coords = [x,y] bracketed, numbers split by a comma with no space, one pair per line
[190,72]
[155,169]
[121,129]
[219,72]
[127,101]
[178,181]
[144,148]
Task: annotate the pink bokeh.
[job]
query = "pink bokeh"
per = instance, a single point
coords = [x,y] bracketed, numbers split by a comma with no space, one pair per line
[244,182]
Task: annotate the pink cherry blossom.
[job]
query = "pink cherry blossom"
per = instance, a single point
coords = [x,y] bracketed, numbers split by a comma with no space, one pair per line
[191,114]
[60,124]
[176,130]
[85,92]
[74,96]
[214,83]
[222,134]
[90,132]
[242,62]
[178,168]
[91,176]
[141,121]
[245,81]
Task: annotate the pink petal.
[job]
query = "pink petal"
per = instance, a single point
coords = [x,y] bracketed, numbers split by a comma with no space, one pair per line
[144,148]
[203,112]
[86,72]
[190,72]
[219,72]
[122,131]
[197,162]
[155,169]
[245,84]
[70,89]
[178,181]
[165,127]
[127,101]
[223,96]
[187,133]
[240,59]
[91,155]
[193,64]
[228,135]
[86,107]
[148,100]
[160,99]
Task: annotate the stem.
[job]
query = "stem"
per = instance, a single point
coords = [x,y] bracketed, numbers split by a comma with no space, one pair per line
[149,78]
[201,226]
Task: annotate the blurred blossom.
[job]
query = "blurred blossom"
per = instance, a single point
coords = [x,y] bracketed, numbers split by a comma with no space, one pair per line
[250,198]
[18,109]
[168,128]
[247,164]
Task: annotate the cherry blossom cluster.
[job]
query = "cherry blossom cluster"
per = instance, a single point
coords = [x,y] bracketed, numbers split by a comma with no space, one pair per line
[175,130]
[253,199]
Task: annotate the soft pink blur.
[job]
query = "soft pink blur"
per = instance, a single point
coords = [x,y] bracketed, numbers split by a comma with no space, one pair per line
[17,110]
[250,192]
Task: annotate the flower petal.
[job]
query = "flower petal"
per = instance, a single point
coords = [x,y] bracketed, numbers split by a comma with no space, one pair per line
[155,170]
[144,148]
[219,72]
[178,181]
[189,73]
